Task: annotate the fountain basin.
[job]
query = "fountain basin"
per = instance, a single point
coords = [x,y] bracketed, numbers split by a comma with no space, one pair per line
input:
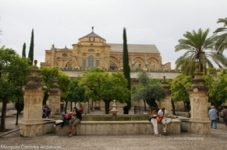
[119,128]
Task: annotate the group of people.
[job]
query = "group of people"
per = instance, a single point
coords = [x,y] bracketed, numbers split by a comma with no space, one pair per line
[214,115]
[72,119]
[159,116]
[76,117]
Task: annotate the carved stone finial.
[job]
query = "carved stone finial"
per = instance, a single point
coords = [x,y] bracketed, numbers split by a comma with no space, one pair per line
[197,67]
[35,62]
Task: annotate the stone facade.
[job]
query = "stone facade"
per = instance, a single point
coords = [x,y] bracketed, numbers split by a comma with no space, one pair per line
[93,51]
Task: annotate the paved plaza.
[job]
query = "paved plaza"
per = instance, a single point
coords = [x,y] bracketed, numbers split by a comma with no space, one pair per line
[217,140]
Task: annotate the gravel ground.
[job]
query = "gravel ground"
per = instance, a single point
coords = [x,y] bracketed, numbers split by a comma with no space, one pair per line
[185,141]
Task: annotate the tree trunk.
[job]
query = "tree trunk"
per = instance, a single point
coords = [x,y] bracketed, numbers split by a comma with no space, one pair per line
[188,107]
[107,107]
[145,108]
[45,98]
[152,104]
[217,105]
[3,116]
[173,106]
[66,104]
[71,105]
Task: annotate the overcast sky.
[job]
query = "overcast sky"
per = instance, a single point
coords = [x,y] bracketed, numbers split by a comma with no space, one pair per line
[63,22]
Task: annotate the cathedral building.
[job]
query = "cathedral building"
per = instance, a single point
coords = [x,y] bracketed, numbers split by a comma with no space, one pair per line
[92,50]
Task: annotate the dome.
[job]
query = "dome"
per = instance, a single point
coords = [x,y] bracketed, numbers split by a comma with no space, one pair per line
[92,34]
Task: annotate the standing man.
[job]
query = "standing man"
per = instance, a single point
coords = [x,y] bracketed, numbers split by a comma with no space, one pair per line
[213,117]
[224,115]
[125,109]
[163,114]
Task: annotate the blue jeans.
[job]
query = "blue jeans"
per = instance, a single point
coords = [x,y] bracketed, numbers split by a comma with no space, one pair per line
[214,124]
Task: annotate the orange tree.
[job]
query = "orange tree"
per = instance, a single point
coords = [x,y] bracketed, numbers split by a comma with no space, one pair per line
[13,72]
[102,86]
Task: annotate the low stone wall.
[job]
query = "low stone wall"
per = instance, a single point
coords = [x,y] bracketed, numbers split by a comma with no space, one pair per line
[49,126]
[119,128]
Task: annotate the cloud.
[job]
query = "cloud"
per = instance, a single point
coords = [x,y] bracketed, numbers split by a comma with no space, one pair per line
[62,22]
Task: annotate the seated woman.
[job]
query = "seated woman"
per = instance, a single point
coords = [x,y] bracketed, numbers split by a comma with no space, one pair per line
[153,120]
[65,119]
[75,120]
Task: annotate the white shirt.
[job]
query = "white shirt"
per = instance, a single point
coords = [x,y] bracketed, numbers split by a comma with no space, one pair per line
[160,113]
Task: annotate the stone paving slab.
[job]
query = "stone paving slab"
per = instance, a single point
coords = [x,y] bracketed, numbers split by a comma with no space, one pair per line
[217,140]
[120,142]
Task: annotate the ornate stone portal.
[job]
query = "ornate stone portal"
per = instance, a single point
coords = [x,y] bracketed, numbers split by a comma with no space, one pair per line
[199,122]
[166,102]
[32,123]
[55,98]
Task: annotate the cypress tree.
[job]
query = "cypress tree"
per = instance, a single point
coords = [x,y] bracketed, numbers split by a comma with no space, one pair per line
[24,50]
[126,68]
[31,49]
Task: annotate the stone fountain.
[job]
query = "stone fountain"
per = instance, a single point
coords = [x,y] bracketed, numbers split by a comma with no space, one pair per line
[114,109]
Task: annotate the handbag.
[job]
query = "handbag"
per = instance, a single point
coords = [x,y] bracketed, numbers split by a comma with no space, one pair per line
[149,119]
[159,119]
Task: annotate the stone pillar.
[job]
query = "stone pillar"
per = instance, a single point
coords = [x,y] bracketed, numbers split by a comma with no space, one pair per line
[166,102]
[55,98]
[32,123]
[199,121]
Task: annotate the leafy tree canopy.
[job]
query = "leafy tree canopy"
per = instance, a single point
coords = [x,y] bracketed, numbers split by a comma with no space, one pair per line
[13,73]
[148,90]
[178,87]
[96,69]
[199,49]
[49,74]
[221,36]
[102,86]
[76,92]
[218,89]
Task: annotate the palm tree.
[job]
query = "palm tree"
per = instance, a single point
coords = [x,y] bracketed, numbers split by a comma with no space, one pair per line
[221,43]
[199,50]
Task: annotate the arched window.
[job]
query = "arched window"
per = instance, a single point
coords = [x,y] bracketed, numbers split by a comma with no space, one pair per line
[64,55]
[113,66]
[90,61]
[84,63]
[91,50]
[97,63]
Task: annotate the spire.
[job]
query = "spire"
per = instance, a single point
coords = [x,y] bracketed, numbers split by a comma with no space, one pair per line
[92,29]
